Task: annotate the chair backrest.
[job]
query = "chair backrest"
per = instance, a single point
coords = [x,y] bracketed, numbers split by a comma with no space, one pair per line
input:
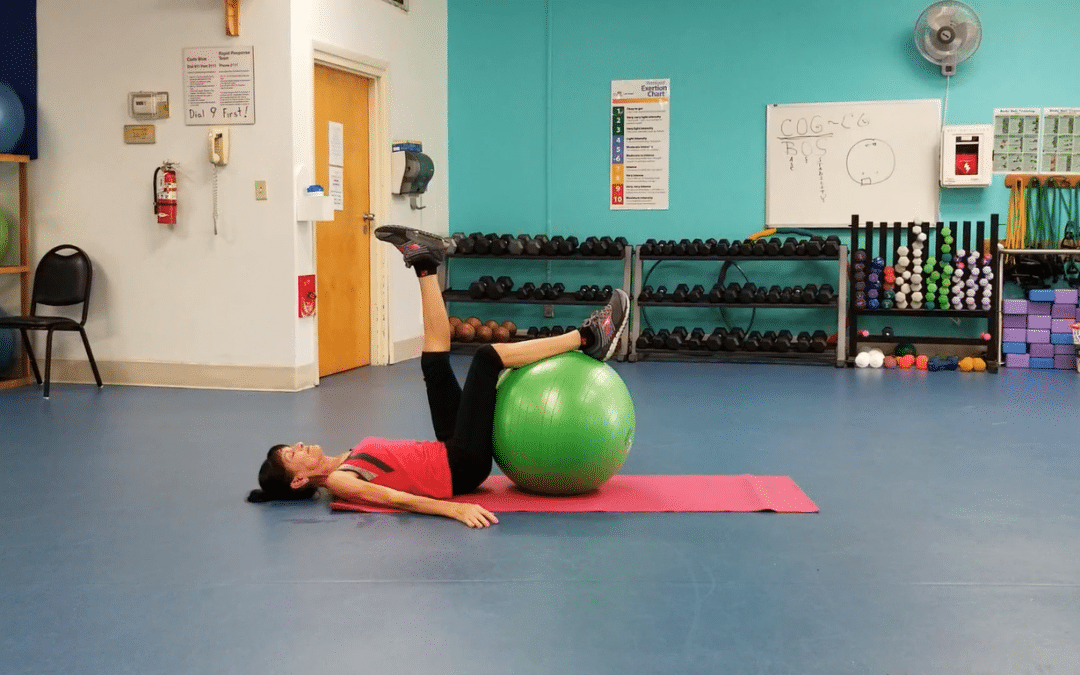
[63,279]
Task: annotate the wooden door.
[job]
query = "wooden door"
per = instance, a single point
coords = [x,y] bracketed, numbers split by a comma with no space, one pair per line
[342,246]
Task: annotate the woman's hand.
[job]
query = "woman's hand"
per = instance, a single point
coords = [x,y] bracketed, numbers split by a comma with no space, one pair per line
[472,515]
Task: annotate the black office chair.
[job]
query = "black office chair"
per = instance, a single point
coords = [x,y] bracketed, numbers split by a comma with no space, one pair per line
[61,279]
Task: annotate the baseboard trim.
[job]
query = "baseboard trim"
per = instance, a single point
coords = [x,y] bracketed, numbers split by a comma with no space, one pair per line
[188,375]
[407,349]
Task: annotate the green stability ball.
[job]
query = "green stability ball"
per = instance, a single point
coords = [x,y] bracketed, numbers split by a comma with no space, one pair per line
[563,425]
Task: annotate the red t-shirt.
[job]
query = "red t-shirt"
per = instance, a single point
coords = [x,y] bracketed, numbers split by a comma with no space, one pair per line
[417,467]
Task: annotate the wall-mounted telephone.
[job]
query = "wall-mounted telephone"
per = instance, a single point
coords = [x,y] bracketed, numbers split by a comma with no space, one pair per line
[219,146]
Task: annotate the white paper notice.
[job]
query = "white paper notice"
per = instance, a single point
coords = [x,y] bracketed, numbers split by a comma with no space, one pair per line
[336,140]
[219,85]
[640,141]
[337,187]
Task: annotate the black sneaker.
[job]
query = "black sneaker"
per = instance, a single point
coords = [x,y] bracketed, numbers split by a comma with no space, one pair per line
[608,325]
[418,247]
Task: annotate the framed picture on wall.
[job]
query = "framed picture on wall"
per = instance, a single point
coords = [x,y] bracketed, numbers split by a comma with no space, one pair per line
[401,4]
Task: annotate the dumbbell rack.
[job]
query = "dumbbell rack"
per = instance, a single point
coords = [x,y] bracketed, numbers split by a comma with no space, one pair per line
[901,234]
[835,356]
[451,295]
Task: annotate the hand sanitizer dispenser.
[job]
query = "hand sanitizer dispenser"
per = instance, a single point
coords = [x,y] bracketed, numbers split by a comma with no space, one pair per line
[967,158]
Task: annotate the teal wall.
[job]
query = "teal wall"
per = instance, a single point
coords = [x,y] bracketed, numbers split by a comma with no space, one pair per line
[529,87]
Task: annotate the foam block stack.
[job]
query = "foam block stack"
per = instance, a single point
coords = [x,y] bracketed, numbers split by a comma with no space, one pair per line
[1037,332]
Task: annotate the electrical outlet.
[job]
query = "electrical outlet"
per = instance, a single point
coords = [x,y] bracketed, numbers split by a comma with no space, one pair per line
[549,311]
[260,190]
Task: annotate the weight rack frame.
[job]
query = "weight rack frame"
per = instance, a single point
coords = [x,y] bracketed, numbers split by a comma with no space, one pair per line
[458,296]
[901,233]
[837,356]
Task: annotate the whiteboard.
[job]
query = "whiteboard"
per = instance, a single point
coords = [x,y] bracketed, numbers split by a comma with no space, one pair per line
[825,162]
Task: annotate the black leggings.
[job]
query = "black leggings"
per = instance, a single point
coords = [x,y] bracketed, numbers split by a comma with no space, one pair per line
[464,419]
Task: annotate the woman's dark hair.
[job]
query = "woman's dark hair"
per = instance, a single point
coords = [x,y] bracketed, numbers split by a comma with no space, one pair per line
[274,481]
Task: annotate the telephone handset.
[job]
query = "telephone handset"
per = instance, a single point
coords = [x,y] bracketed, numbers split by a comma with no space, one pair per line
[219,146]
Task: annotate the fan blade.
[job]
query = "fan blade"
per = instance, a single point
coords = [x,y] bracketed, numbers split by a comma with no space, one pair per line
[939,17]
[968,35]
[936,51]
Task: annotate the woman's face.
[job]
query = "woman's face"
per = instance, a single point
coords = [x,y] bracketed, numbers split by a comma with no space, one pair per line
[300,459]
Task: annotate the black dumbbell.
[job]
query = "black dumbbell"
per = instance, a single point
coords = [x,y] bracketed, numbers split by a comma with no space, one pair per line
[832,245]
[774,294]
[558,289]
[819,341]
[783,342]
[514,246]
[677,338]
[796,295]
[541,291]
[604,293]
[495,290]
[681,248]
[715,341]
[646,294]
[478,290]
[802,342]
[533,246]
[815,246]
[617,247]
[648,248]
[644,340]
[733,339]
[660,294]
[752,342]
[498,244]
[731,293]
[557,330]
[663,248]
[709,247]
[568,246]
[526,290]
[716,294]
[747,292]
[825,294]
[481,245]
[696,341]
[680,294]
[761,295]
[659,340]
[721,247]
[757,247]
[768,339]
[697,294]
[809,294]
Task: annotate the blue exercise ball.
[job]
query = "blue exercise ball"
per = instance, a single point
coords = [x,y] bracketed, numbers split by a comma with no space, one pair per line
[12,118]
[7,346]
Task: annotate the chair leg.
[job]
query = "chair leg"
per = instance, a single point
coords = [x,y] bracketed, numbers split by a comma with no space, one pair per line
[48,361]
[30,353]
[90,355]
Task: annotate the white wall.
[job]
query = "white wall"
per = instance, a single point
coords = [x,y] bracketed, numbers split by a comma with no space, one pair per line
[413,45]
[185,296]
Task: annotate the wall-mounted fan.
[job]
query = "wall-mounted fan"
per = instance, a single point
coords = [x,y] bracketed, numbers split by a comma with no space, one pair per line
[948,33]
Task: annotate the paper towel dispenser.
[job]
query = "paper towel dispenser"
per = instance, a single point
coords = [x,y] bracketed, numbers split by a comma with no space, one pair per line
[414,170]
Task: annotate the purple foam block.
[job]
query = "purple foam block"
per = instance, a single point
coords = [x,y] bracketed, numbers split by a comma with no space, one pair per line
[1062,325]
[1040,308]
[1014,306]
[1015,321]
[1066,296]
[1038,336]
[1040,322]
[1041,350]
[1064,362]
[1015,335]
[1064,349]
[1016,360]
[1061,311]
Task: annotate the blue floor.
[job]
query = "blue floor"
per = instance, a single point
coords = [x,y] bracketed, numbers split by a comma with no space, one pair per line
[948,539]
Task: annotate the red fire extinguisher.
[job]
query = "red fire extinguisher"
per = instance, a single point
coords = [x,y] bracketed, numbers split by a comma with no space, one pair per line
[165,193]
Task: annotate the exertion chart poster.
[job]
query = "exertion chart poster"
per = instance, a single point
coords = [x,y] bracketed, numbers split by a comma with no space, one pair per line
[640,141]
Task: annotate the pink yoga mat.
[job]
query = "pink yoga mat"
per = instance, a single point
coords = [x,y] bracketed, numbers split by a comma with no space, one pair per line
[641,494]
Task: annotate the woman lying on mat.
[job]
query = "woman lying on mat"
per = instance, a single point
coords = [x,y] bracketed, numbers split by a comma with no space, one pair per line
[419,476]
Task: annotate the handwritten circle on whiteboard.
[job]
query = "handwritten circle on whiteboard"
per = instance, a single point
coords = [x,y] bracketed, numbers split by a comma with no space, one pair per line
[871,161]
